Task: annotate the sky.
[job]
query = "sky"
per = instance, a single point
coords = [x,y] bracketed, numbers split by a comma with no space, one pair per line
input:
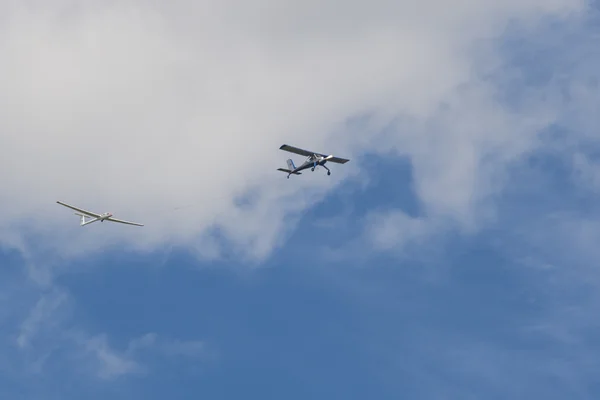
[454,257]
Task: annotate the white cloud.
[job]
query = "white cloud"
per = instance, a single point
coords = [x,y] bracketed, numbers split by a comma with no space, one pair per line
[586,172]
[40,335]
[140,108]
[109,364]
[44,313]
[94,355]
[393,229]
[166,347]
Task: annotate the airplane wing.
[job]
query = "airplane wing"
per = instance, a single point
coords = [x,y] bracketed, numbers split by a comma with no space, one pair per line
[123,222]
[338,160]
[307,153]
[299,151]
[88,213]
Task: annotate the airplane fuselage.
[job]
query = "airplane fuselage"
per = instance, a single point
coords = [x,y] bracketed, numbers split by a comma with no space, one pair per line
[104,216]
[310,164]
[100,218]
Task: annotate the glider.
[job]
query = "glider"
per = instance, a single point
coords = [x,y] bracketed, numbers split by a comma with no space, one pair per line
[96,217]
[313,160]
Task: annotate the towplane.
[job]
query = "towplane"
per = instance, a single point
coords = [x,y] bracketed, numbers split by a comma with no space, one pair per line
[313,160]
[96,217]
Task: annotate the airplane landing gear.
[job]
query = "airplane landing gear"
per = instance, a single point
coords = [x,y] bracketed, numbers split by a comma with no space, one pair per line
[328,172]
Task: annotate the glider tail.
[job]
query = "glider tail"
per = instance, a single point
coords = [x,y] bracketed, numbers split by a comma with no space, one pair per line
[82,218]
[290,164]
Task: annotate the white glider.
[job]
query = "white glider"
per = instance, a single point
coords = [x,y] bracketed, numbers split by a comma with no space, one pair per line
[96,217]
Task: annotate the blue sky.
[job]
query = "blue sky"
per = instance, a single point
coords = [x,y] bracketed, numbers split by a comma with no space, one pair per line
[401,280]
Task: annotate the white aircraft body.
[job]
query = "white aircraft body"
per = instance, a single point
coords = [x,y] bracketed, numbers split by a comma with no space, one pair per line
[96,217]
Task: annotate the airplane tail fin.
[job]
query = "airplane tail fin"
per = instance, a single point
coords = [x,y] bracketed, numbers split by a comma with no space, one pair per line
[290,164]
[83,221]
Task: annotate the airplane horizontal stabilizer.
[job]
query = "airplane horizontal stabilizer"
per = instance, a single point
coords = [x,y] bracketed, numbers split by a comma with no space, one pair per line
[288,171]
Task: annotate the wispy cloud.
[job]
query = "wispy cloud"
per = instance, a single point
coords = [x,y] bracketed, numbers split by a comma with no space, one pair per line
[45,337]
[109,363]
[170,348]
[44,313]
